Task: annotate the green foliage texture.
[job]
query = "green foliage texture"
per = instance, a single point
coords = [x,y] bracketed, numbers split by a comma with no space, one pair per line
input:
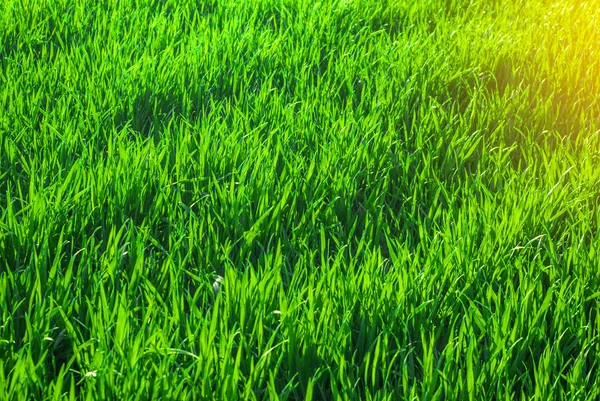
[400,195]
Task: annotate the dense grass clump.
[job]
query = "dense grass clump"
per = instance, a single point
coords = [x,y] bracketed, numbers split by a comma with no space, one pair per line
[401,197]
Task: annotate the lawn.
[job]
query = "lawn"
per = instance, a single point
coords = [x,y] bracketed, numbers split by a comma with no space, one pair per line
[402,198]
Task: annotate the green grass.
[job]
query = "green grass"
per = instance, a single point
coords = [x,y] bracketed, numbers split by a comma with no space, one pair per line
[402,198]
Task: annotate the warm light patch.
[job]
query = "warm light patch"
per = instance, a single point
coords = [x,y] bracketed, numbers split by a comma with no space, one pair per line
[561,64]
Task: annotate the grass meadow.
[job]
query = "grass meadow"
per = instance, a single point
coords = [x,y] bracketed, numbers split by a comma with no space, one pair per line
[400,196]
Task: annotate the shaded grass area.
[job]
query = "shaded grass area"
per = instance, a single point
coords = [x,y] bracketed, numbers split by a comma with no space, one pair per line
[401,198]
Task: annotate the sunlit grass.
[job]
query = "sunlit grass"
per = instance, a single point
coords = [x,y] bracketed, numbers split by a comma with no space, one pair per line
[401,198]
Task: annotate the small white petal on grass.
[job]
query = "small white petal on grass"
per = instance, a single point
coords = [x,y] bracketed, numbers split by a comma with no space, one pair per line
[217,285]
[91,374]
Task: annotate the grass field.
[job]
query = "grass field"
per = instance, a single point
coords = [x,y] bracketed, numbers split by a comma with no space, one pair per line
[402,198]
